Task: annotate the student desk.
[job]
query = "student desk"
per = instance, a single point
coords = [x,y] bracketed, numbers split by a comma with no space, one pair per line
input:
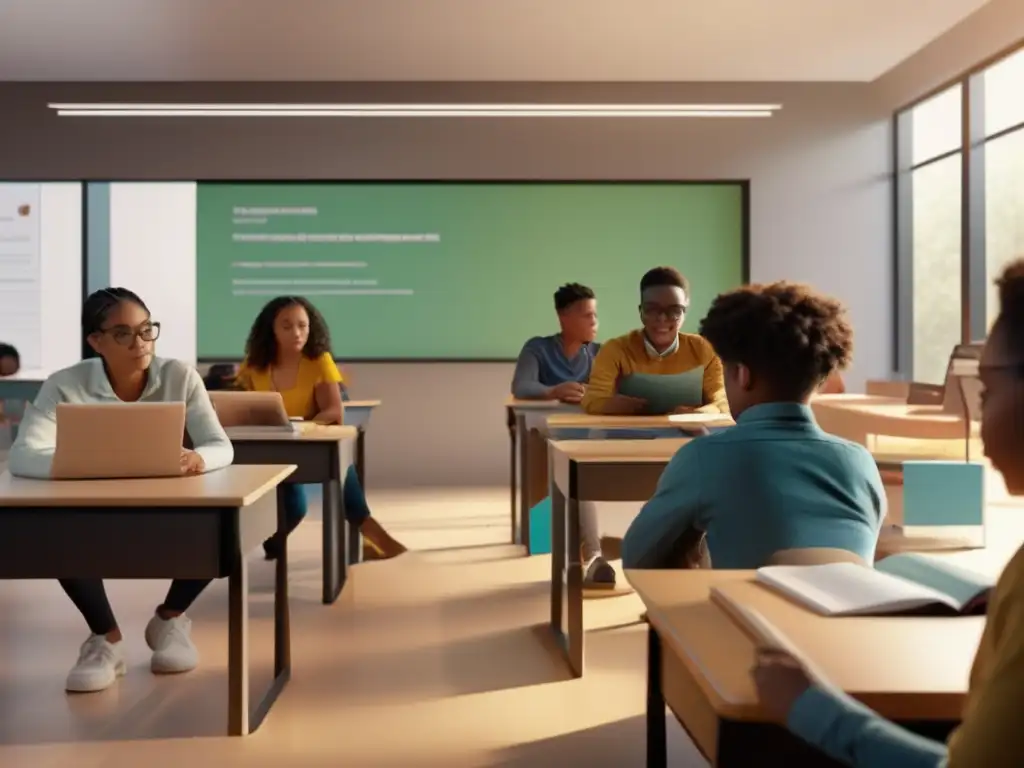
[188,527]
[699,663]
[322,455]
[855,417]
[518,414]
[592,470]
[654,424]
[357,414]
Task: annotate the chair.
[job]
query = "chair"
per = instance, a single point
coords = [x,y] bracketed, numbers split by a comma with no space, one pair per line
[814,556]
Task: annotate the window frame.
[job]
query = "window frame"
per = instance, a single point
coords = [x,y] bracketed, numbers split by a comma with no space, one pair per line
[973,272]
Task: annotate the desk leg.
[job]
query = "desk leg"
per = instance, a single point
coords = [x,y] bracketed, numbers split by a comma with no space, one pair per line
[511,423]
[242,721]
[333,542]
[567,578]
[361,457]
[657,746]
[524,481]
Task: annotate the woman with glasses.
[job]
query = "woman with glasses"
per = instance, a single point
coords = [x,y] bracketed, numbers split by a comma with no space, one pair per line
[120,334]
[289,351]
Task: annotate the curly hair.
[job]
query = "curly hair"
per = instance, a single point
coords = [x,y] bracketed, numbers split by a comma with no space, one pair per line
[1011,305]
[261,346]
[787,333]
[570,293]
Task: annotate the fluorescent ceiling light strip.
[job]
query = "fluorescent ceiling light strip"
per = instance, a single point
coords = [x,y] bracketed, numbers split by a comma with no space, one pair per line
[401,113]
[426,107]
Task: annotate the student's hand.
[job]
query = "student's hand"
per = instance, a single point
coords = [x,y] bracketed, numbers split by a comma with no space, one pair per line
[780,679]
[686,409]
[569,392]
[623,405]
[192,463]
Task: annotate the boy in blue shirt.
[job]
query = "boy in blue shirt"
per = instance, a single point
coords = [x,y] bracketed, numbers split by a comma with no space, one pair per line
[776,480]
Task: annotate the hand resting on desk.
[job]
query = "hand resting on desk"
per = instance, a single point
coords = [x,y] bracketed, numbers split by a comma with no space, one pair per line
[568,392]
[624,405]
[191,463]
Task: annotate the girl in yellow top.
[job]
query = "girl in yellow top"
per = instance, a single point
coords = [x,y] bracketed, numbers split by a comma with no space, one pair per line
[289,351]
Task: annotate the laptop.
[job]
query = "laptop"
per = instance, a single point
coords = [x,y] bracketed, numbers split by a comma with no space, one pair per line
[118,440]
[251,412]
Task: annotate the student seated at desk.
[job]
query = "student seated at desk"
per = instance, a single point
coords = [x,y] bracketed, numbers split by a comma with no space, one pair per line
[776,480]
[289,351]
[10,360]
[558,367]
[658,348]
[120,331]
[990,732]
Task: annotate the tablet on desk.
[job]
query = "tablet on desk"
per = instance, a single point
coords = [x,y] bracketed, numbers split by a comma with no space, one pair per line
[118,440]
[250,409]
[665,392]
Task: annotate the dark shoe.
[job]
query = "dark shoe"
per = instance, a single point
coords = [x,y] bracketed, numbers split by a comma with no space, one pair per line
[600,575]
[272,548]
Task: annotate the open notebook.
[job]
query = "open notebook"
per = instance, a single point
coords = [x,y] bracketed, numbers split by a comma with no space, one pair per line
[908,584]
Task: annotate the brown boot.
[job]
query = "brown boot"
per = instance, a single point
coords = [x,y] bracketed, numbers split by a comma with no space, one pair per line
[380,539]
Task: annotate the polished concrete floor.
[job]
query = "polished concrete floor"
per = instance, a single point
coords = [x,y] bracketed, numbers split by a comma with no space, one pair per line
[439,658]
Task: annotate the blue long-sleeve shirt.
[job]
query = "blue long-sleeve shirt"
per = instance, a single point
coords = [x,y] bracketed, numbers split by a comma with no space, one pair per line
[774,481]
[542,364]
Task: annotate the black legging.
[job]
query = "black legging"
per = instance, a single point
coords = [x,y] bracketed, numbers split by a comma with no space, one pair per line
[90,597]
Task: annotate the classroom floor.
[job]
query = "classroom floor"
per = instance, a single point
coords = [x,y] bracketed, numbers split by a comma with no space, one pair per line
[439,658]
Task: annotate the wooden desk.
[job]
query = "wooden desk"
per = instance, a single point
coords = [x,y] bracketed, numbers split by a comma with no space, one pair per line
[516,414]
[655,424]
[592,470]
[357,414]
[855,417]
[699,664]
[186,528]
[322,455]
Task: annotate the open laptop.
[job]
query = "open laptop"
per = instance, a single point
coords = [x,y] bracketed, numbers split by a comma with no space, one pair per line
[118,440]
[250,409]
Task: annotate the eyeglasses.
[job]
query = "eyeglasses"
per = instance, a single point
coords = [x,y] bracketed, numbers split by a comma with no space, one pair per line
[126,336]
[655,312]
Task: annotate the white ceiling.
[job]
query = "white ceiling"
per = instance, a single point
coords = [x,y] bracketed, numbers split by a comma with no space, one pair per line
[460,40]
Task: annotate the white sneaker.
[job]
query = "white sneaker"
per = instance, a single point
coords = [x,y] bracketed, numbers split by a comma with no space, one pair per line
[99,665]
[172,646]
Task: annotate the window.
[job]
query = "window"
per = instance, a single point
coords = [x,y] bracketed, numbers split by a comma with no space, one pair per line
[936,267]
[1004,209]
[1004,94]
[936,125]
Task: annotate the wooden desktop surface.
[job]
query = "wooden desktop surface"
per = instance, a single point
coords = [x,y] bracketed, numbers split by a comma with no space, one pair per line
[856,415]
[233,486]
[594,421]
[616,451]
[536,405]
[361,403]
[308,432]
[906,668]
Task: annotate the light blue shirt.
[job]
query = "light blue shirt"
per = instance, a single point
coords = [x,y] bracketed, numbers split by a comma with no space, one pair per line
[169,381]
[849,732]
[774,481]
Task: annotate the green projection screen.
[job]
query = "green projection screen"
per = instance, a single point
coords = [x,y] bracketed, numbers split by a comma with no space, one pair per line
[453,271]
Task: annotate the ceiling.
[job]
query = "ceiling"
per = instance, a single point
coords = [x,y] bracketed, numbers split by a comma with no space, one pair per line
[467,40]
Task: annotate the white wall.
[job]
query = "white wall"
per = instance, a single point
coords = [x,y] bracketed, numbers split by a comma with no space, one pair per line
[153,253]
[44,305]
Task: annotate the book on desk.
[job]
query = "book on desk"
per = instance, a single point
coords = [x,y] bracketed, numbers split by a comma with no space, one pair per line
[904,584]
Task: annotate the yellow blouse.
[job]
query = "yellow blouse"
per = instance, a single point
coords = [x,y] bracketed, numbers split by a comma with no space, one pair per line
[300,400]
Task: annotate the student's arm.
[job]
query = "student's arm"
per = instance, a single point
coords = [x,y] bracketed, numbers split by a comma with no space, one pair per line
[715,400]
[604,378]
[673,513]
[208,437]
[32,452]
[328,392]
[526,379]
[851,733]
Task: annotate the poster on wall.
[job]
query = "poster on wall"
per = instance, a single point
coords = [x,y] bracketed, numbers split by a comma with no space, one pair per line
[20,271]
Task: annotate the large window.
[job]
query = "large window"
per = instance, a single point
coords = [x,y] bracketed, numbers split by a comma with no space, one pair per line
[955,189]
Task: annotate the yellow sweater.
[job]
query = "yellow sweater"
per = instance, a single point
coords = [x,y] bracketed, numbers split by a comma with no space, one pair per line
[628,354]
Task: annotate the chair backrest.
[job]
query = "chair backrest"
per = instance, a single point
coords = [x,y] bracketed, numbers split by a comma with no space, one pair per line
[814,556]
[925,394]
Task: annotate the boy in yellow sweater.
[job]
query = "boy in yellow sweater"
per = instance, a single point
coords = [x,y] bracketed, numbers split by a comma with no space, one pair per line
[658,348]
[990,733]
